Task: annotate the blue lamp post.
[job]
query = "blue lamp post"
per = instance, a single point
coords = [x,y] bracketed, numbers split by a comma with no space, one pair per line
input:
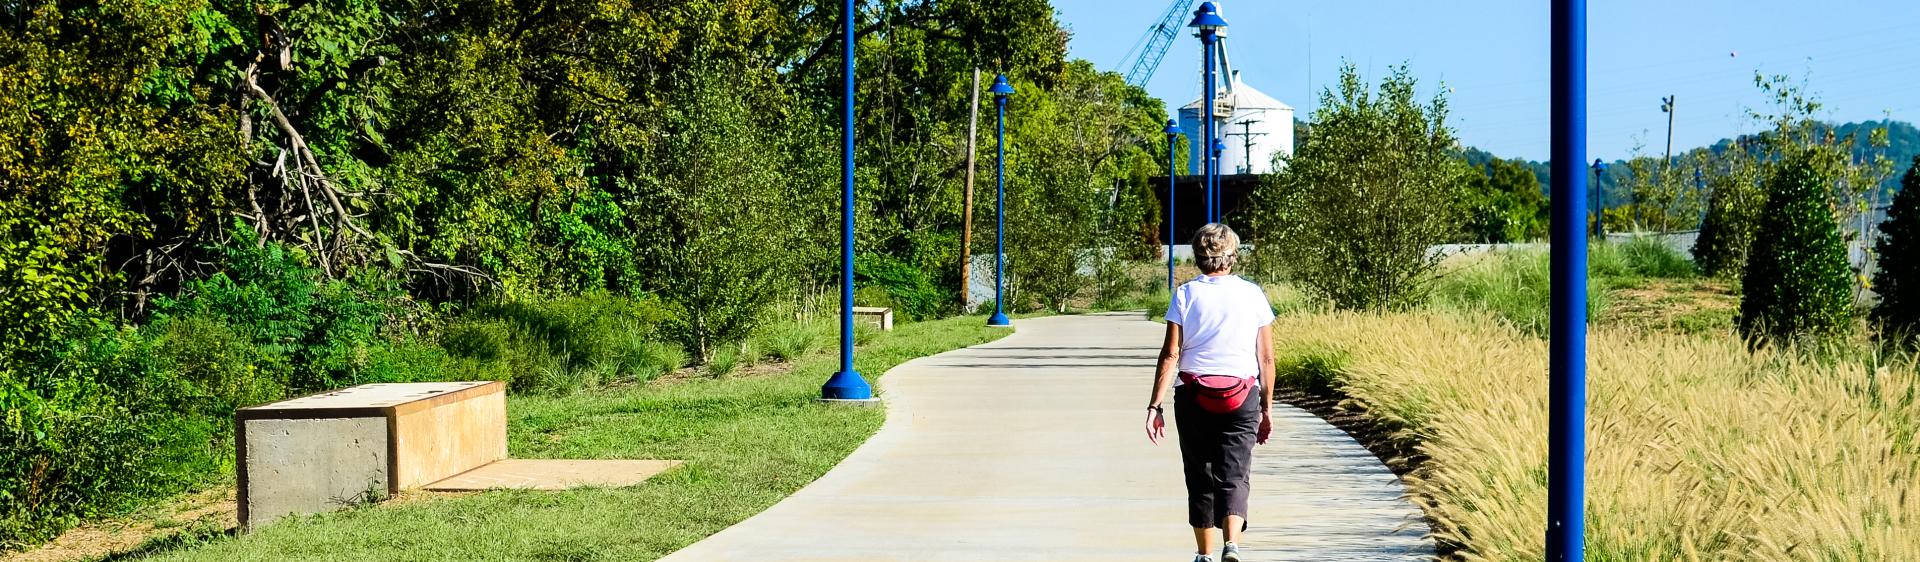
[846,384]
[1207,20]
[1001,91]
[1600,198]
[1173,181]
[1567,361]
[1219,206]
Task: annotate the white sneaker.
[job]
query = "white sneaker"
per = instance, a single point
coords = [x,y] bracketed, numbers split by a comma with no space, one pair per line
[1231,553]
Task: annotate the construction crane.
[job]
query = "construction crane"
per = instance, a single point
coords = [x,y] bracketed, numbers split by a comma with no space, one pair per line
[1147,53]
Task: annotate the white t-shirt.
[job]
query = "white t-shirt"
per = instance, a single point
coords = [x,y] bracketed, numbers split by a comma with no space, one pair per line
[1220,319]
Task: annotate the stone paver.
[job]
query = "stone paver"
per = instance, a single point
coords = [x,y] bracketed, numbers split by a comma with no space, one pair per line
[552,474]
[1030,448]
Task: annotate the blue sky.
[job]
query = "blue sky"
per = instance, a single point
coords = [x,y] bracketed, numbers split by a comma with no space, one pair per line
[1861,56]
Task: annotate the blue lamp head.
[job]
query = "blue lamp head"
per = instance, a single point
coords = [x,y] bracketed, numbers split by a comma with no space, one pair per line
[1207,18]
[1001,89]
[1219,146]
[1173,127]
[1599,165]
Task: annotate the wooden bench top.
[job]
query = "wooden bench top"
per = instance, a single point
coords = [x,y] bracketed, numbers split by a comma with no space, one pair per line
[368,400]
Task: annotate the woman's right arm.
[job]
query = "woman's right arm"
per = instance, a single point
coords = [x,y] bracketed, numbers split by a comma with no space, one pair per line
[1163,381]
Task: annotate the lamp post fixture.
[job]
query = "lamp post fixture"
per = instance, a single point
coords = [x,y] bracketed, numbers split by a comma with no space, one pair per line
[1001,91]
[1219,206]
[1207,20]
[1567,351]
[1173,180]
[846,384]
[1600,198]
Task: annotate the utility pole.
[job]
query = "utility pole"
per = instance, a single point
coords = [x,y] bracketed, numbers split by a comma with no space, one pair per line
[966,210]
[1246,132]
[1666,106]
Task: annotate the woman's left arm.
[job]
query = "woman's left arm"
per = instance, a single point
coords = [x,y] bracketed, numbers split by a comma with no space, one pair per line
[1264,349]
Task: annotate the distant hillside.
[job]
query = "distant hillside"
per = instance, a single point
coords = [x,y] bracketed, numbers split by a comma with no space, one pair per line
[1903,143]
[1479,158]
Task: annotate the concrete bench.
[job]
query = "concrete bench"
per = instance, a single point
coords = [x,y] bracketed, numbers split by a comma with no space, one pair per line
[881,317]
[363,444]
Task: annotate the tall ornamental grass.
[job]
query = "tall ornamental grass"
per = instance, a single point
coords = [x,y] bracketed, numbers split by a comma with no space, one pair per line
[1697,450]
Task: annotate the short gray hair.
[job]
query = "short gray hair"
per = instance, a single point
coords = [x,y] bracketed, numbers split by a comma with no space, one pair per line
[1215,248]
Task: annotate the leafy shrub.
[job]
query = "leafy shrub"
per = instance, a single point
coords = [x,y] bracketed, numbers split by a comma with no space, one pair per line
[1797,283]
[97,425]
[1898,279]
[1373,186]
[221,369]
[1114,285]
[1733,208]
[910,291]
[322,328]
[561,345]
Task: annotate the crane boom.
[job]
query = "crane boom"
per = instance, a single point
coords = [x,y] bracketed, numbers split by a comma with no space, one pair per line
[1159,38]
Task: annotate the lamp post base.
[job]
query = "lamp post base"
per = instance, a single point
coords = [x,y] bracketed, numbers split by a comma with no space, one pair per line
[862,403]
[999,320]
[846,386]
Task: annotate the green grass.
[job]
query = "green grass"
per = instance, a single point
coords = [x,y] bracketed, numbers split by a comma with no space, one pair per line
[1514,285]
[748,442]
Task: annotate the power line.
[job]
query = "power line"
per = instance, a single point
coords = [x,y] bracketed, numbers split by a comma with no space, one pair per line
[1246,132]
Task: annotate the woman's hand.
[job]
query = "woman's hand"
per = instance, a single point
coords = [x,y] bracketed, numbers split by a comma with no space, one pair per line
[1266,426]
[1156,425]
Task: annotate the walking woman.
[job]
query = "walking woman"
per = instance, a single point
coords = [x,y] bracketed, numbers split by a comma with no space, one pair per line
[1219,339]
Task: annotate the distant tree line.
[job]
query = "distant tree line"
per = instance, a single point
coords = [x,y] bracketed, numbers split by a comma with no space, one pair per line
[1377,181]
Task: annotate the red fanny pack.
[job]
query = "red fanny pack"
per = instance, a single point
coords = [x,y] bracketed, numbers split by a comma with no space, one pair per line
[1219,394]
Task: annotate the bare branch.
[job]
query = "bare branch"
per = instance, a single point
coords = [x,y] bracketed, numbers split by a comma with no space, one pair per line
[304,154]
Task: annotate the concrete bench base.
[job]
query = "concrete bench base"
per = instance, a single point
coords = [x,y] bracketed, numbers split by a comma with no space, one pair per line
[360,445]
[881,317]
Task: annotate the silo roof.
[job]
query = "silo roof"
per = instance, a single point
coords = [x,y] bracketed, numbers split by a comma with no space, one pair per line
[1245,96]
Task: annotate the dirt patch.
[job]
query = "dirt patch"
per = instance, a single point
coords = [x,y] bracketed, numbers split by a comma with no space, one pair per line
[195,513]
[1690,306]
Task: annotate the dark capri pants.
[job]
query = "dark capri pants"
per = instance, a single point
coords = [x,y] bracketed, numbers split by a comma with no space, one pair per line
[1217,451]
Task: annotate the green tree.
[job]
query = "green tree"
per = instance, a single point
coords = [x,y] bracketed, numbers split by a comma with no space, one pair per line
[1734,200]
[1354,210]
[1797,284]
[1504,204]
[1856,164]
[715,221]
[1898,279]
[1661,197]
[1074,149]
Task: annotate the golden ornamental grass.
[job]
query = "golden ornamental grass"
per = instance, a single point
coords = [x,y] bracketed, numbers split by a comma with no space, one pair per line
[1697,449]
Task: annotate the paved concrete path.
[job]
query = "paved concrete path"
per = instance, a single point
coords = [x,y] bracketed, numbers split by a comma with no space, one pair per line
[1030,448]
